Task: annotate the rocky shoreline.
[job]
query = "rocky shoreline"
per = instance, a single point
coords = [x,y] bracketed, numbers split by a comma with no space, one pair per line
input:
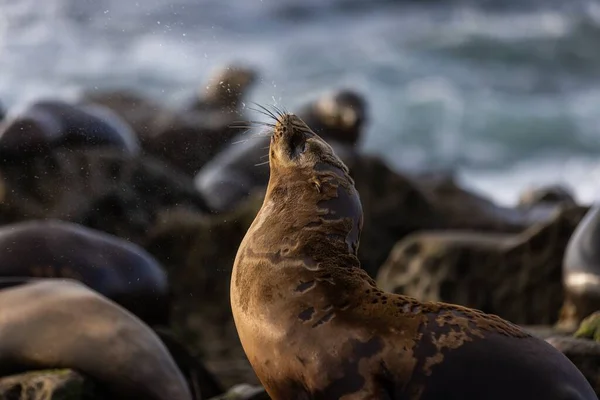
[424,236]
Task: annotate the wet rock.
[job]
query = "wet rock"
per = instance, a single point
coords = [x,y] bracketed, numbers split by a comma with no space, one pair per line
[101,189]
[397,204]
[49,385]
[584,353]
[186,139]
[201,382]
[393,206]
[516,276]
[198,252]
[244,392]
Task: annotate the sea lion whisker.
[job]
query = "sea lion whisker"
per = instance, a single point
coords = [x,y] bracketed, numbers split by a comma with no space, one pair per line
[268,112]
[266,155]
[247,127]
[262,163]
[246,139]
[280,113]
[250,124]
[260,112]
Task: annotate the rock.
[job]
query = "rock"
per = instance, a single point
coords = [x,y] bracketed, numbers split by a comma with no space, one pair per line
[189,138]
[584,353]
[244,392]
[198,253]
[396,205]
[393,207]
[554,194]
[188,141]
[49,385]
[516,276]
[545,331]
[137,110]
[201,382]
[101,189]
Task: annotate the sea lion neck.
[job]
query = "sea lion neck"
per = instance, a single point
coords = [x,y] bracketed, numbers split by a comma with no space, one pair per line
[314,207]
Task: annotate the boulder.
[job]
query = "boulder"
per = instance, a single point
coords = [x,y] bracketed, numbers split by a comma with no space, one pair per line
[516,276]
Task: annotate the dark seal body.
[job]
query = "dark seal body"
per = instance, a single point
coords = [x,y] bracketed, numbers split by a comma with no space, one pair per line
[63,324]
[48,124]
[315,326]
[581,271]
[238,170]
[116,268]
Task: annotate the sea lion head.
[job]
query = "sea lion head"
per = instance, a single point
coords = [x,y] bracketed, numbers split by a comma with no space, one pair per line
[228,85]
[310,190]
[343,115]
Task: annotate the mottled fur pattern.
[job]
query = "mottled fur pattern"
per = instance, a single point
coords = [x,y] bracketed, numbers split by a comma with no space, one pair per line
[315,326]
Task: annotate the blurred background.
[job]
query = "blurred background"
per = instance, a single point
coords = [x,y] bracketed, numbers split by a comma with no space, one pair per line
[505,92]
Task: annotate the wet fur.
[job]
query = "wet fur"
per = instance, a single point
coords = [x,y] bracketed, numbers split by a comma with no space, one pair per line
[315,326]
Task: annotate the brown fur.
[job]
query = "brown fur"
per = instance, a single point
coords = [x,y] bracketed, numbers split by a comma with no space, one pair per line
[315,326]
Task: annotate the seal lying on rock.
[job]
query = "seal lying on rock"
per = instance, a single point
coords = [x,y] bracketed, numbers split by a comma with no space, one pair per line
[315,326]
[47,124]
[581,271]
[63,324]
[116,268]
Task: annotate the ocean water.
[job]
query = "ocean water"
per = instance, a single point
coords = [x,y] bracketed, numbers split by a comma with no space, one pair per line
[505,93]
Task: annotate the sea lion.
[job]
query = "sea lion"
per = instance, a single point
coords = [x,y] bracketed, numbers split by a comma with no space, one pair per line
[241,168]
[116,268]
[314,325]
[584,353]
[553,194]
[226,89]
[63,324]
[48,124]
[581,270]
[339,115]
